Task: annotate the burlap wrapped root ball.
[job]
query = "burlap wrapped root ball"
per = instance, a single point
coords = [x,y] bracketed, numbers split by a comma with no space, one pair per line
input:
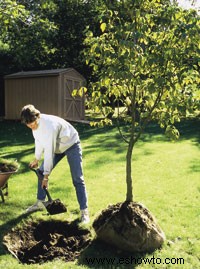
[129,226]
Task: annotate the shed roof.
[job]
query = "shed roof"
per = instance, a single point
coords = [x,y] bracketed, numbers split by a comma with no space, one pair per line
[42,73]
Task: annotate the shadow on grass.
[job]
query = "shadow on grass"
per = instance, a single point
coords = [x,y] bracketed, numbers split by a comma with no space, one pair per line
[16,134]
[195,166]
[101,255]
[13,133]
[108,137]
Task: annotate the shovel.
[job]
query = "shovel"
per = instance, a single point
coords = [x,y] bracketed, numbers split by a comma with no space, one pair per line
[52,206]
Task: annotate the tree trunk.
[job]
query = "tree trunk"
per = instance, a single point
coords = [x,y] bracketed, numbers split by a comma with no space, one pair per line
[129,191]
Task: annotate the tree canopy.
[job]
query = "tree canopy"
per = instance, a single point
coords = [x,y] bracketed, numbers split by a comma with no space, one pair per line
[26,32]
[46,34]
[147,60]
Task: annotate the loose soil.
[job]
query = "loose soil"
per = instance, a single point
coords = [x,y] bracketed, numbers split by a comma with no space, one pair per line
[46,241]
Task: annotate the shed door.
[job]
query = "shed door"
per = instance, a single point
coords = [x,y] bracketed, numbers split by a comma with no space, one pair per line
[73,106]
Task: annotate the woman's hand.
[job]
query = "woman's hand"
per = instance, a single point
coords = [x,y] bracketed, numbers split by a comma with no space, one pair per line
[34,164]
[45,182]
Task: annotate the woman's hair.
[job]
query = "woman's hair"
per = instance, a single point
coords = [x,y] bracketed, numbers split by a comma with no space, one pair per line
[29,114]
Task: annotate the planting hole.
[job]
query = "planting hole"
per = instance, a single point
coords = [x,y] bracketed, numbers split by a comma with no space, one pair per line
[47,240]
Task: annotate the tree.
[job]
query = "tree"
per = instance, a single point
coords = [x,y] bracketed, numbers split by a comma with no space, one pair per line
[147,59]
[26,31]
[71,18]
[47,34]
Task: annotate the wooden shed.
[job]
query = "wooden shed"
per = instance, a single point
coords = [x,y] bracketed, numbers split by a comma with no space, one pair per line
[48,90]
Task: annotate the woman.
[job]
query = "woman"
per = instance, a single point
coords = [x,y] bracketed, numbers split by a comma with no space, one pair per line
[54,139]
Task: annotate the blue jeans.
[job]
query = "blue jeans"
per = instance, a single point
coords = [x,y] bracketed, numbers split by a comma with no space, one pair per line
[74,157]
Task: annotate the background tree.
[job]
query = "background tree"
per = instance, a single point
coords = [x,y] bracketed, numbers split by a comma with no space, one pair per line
[71,18]
[27,32]
[47,34]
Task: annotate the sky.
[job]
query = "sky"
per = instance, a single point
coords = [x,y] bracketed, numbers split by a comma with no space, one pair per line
[187,4]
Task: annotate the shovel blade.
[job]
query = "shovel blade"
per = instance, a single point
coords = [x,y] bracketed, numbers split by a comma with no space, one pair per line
[55,207]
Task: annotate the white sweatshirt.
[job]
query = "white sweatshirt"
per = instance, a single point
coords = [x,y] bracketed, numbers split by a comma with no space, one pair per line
[53,135]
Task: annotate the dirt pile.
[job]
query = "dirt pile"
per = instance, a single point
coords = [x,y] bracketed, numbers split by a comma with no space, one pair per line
[47,240]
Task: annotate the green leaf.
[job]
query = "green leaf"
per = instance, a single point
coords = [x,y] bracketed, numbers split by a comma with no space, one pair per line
[103,27]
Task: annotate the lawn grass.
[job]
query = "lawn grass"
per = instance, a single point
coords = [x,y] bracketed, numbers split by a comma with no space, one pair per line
[165,179]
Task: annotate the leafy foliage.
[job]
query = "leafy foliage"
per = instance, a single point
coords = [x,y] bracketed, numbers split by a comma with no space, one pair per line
[47,34]
[27,31]
[147,61]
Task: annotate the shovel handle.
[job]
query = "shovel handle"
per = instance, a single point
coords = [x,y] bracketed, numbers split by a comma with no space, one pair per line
[33,169]
[47,192]
[48,195]
[37,172]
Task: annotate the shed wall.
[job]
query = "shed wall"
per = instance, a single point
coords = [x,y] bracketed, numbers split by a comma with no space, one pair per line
[42,92]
